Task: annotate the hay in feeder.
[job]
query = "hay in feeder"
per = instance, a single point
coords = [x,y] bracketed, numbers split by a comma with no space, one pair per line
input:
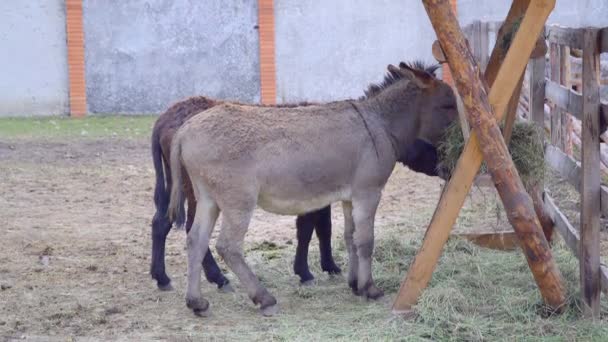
[526,148]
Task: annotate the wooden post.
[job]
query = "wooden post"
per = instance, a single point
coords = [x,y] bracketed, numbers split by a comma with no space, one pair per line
[536,88]
[484,44]
[532,240]
[590,192]
[556,112]
[564,79]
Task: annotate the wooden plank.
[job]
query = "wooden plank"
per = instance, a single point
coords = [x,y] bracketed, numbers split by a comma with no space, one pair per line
[604,40]
[571,236]
[590,191]
[456,190]
[571,37]
[536,90]
[484,44]
[604,116]
[564,98]
[563,226]
[604,200]
[568,168]
[564,80]
[556,111]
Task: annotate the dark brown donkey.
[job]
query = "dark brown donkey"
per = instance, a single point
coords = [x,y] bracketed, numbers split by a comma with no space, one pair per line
[292,161]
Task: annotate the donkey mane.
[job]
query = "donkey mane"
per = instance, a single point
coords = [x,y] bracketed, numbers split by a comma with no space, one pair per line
[392,77]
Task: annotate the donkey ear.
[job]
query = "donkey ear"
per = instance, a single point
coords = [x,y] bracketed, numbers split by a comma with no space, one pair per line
[421,78]
[393,69]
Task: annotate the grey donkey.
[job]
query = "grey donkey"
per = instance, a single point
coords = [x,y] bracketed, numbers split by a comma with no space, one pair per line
[296,160]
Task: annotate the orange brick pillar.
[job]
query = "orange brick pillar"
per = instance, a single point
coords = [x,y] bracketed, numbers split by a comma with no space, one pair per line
[268,82]
[75,42]
[445,69]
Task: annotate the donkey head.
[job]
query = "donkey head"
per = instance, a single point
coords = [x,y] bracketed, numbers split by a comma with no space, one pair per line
[435,103]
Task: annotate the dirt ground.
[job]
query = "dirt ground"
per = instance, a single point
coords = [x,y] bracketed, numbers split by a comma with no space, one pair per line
[74,257]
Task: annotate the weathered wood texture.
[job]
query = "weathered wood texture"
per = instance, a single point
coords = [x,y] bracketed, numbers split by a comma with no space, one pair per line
[536,90]
[571,236]
[590,192]
[556,111]
[519,205]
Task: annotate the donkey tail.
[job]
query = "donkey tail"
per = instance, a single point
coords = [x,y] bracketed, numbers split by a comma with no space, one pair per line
[161,195]
[176,204]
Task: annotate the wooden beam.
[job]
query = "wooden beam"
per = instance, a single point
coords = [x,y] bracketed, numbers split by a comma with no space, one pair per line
[572,37]
[564,98]
[565,229]
[591,181]
[568,168]
[604,200]
[536,89]
[564,79]
[556,111]
[604,40]
[451,201]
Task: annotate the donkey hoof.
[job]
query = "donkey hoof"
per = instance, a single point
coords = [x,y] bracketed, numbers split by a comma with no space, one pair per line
[307,283]
[332,269]
[226,288]
[165,287]
[199,306]
[373,292]
[270,310]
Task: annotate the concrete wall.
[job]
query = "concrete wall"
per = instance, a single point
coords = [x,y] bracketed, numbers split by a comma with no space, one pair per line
[142,55]
[329,50]
[33,62]
[578,13]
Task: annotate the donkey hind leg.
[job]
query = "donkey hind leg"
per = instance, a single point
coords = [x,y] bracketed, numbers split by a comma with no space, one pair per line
[207,212]
[230,246]
[323,230]
[213,273]
[160,228]
[364,211]
[351,248]
[304,225]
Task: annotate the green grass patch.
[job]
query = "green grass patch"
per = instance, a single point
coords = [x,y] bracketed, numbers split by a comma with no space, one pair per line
[66,127]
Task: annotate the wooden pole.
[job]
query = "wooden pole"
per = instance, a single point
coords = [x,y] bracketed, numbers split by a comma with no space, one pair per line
[590,192]
[518,203]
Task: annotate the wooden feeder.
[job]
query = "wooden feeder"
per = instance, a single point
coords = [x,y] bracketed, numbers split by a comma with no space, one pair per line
[487,99]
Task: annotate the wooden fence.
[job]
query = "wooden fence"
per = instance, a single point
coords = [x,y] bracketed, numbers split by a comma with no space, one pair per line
[567,104]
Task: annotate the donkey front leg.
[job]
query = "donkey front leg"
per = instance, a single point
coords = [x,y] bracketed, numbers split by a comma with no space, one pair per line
[198,245]
[230,246]
[364,211]
[353,259]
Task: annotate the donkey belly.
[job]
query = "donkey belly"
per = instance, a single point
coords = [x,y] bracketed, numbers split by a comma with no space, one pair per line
[298,205]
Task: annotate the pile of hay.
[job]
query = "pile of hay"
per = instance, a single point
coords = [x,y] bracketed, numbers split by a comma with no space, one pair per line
[526,148]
